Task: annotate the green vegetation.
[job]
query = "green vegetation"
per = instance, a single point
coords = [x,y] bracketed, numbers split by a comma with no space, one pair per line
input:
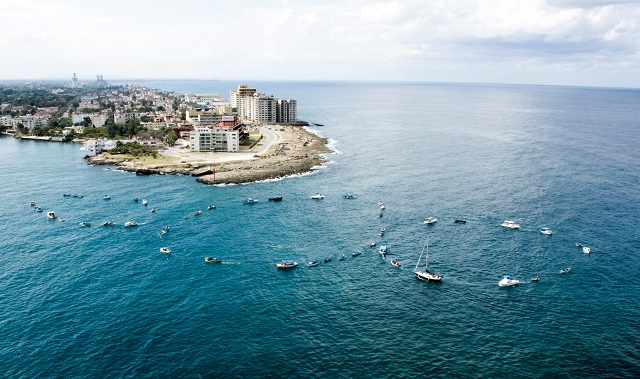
[135,149]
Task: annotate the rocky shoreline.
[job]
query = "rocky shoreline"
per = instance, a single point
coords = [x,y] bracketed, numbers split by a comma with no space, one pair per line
[296,151]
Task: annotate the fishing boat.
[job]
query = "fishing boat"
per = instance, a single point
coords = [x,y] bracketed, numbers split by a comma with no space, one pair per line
[212,260]
[108,223]
[106,197]
[586,250]
[32,203]
[380,215]
[508,281]
[312,263]
[510,224]
[342,257]
[349,196]
[144,202]
[77,195]
[250,201]
[197,213]
[383,250]
[52,215]
[396,263]
[546,231]
[356,253]
[165,250]
[38,209]
[565,270]
[460,221]
[210,207]
[85,224]
[164,231]
[430,220]
[382,231]
[535,279]
[328,259]
[276,198]
[372,243]
[131,223]
[426,275]
[135,199]
[287,263]
[317,196]
[578,244]
[382,207]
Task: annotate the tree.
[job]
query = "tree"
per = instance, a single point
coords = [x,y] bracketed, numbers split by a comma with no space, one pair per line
[172,137]
[65,122]
[86,121]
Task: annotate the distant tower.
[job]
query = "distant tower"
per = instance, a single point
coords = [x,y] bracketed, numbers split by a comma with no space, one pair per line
[74,81]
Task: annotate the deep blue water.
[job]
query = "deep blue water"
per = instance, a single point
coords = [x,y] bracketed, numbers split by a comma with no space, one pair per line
[104,302]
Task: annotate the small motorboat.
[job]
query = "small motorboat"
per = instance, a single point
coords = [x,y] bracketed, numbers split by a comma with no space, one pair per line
[565,270]
[535,279]
[342,257]
[106,197]
[317,196]
[212,260]
[328,259]
[460,221]
[372,243]
[164,231]
[197,213]
[546,231]
[130,223]
[135,199]
[578,244]
[312,263]
[250,201]
[380,215]
[165,250]
[32,203]
[586,250]
[66,195]
[510,224]
[380,202]
[85,224]
[396,263]
[383,250]
[349,196]
[108,223]
[38,209]
[430,220]
[144,202]
[356,253]
[52,215]
[77,195]
[187,217]
[153,210]
[276,198]
[210,207]
[382,231]
[382,207]
[508,281]
[287,263]
[61,219]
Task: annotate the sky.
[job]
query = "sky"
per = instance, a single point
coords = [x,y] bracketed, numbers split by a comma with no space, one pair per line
[549,42]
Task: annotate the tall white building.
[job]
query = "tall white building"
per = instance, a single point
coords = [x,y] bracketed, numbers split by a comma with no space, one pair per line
[286,111]
[220,140]
[259,108]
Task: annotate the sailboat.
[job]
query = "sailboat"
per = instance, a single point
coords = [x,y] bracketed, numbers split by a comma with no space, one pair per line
[426,274]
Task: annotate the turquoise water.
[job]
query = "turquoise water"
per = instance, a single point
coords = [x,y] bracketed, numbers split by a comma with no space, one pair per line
[104,302]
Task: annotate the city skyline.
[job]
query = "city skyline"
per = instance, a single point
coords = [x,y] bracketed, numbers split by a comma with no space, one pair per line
[550,42]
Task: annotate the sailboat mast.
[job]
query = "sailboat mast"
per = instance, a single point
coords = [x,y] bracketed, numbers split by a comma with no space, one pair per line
[419,259]
[426,261]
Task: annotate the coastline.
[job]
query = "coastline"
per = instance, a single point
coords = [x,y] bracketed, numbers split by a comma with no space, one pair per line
[286,150]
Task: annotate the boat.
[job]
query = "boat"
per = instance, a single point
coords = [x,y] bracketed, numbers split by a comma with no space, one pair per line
[382,231]
[197,213]
[508,281]
[356,253]
[276,198]
[106,197]
[32,203]
[383,250]
[328,259]
[379,214]
[66,195]
[430,220]
[61,219]
[250,201]
[165,250]
[212,260]
[210,207]
[342,257]
[460,221]
[380,202]
[578,244]
[426,275]
[372,243]
[85,224]
[130,223]
[396,263]
[586,250]
[108,223]
[135,199]
[317,196]
[287,263]
[187,217]
[164,231]
[510,224]
[535,279]
[382,207]
[38,209]
[52,215]
[144,202]
[77,195]
[565,270]
[349,196]
[312,263]
[546,231]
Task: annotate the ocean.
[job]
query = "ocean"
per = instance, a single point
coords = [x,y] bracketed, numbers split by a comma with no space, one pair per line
[87,302]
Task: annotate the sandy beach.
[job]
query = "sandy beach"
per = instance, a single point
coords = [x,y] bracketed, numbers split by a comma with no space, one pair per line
[282,151]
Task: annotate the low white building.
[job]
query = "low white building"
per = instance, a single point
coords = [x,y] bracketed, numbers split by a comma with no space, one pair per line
[219,140]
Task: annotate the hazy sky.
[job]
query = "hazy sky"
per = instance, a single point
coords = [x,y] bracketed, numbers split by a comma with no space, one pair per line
[569,42]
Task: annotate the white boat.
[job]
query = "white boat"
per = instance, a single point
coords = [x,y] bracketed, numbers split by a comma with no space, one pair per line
[426,274]
[165,250]
[317,196]
[85,224]
[107,197]
[212,260]
[52,215]
[565,270]
[383,250]
[356,253]
[382,231]
[210,207]
[508,281]
[430,220]
[546,231]
[586,250]
[250,201]
[287,263]
[312,263]
[144,202]
[342,257]
[510,224]
[130,223]
[349,196]
[197,213]
[382,207]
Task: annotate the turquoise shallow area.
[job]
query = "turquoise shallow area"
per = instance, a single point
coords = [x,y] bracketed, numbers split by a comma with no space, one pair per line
[104,302]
